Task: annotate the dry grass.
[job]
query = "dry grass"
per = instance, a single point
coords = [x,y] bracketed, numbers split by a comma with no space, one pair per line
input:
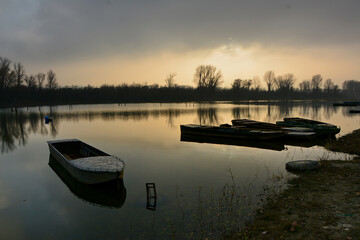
[346,144]
[318,205]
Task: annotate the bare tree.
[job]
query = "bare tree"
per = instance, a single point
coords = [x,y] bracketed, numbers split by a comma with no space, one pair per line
[237,84]
[207,76]
[269,78]
[30,81]
[51,80]
[351,88]
[19,74]
[285,82]
[7,77]
[10,79]
[305,86]
[328,85]
[169,80]
[247,84]
[40,78]
[316,82]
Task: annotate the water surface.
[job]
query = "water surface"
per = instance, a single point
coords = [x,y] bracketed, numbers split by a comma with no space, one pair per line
[37,201]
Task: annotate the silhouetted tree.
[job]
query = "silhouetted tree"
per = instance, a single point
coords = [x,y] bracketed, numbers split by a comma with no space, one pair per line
[330,87]
[19,74]
[352,88]
[237,84]
[169,80]
[207,76]
[269,78]
[40,78]
[51,80]
[305,86]
[30,81]
[7,77]
[285,82]
[247,84]
[316,82]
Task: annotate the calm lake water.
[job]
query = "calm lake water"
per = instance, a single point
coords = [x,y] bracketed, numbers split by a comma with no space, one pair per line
[39,201]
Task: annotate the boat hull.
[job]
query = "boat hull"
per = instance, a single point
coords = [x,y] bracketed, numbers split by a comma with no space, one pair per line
[354,111]
[269,145]
[347,104]
[230,132]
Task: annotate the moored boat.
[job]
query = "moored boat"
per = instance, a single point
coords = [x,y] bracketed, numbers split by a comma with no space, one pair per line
[355,110]
[290,132]
[321,128]
[345,104]
[269,145]
[85,163]
[227,131]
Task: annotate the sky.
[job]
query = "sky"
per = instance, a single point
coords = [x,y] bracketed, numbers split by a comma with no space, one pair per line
[141,41]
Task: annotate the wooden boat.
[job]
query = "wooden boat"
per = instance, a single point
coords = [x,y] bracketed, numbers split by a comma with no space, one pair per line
[86,163]
[110,194]
[290,132]
[354,110]
[321,128]
[345,104]
[269,145]
[228,131]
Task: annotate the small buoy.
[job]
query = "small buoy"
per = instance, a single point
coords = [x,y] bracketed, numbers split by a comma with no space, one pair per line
[302,165]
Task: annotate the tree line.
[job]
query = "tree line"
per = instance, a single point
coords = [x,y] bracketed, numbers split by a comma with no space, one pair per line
[16,77]
[19,89]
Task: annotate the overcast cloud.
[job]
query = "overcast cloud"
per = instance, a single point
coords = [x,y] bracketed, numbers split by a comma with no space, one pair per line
[67,29]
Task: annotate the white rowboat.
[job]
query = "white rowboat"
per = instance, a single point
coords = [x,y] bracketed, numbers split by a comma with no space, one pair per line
[85,163]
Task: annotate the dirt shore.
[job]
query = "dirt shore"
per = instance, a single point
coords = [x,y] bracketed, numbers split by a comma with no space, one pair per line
[322,204]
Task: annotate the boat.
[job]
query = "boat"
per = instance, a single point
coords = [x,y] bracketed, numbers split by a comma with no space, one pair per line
[276,144]
[268,145]
[349,103]
[85,163]
[228,131]
[321,128]
[110,194]
[355,110]
[290,132]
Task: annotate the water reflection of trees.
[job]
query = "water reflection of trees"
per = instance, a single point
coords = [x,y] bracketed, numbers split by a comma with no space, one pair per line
[15,127]
[207,116]
[279,110]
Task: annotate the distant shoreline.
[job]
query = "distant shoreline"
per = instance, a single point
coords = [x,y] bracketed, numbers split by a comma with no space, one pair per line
[247,102]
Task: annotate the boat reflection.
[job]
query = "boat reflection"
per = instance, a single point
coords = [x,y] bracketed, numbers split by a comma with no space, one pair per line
[276,145]
[110,194]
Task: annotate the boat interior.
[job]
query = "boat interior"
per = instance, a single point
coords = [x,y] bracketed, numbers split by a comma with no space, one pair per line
[77,149]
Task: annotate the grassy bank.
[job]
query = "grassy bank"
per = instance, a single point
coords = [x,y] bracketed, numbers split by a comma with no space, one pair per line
[324,204]
[346,144]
